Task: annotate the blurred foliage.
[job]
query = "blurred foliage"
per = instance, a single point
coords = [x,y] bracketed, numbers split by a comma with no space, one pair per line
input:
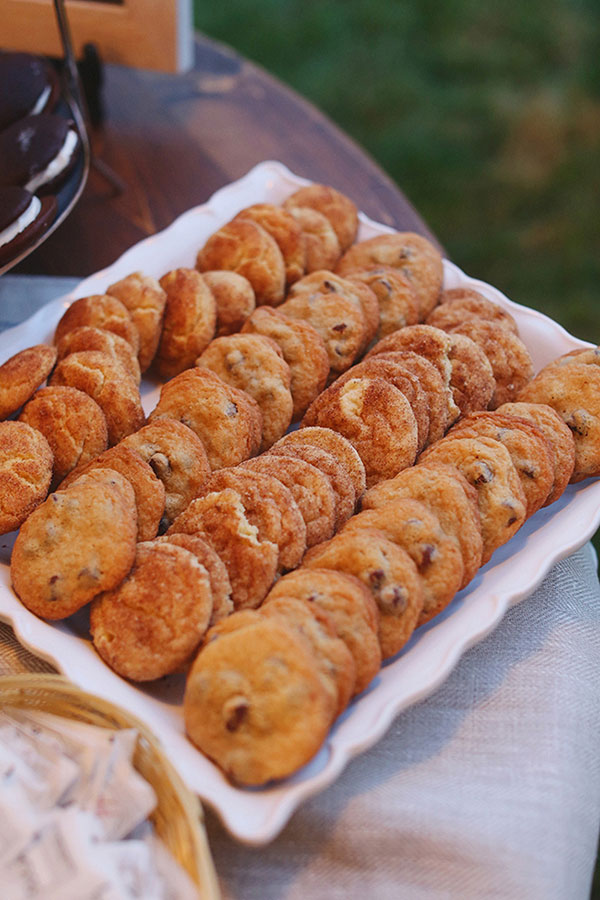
[488,118]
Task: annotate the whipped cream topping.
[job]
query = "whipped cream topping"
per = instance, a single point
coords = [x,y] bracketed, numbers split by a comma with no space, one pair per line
[23,221]
[41,101]
[58,164]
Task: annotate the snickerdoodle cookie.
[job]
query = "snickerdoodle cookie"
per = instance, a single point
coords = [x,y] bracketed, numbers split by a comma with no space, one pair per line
[145,299]
[22,374]
[99,311]
[25,472]
[189,322]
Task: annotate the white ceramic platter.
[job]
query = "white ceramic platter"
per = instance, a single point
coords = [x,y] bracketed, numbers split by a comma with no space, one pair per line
[256,816]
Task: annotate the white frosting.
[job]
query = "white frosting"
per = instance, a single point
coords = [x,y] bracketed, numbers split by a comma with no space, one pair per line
[41,101]
[58,164]
[20,224]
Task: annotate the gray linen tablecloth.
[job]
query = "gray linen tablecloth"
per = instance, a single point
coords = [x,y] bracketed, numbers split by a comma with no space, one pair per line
[490,788]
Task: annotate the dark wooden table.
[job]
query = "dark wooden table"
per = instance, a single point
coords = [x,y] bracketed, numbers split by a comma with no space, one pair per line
[174,139]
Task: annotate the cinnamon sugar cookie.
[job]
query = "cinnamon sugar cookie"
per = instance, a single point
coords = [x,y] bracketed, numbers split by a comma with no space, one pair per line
[445,491]
[377,420]
[145,299]
[220,585]
[509,357]
[148,490]
[153,621]
[72,423]
[310,488]
[177,457]
[360,294]
[109,384]
[528,448]
[573,391]
[285,231]
[487,465]
[256,703]
[339,321]
[25,472]
[396,296]
[463,304]
[234,296]
[436,554]
[268,505]
[339,209]
[332,468]
[243,246]
[255,364]
[87,337]
[220,518]
[228,421]
[351,607]
[189,322]
[558,436]
[388,572]
[78,543]
[22,374]
[336,444]
[472,379]
[303,350]
[99,311]
[414,255]
[321,244]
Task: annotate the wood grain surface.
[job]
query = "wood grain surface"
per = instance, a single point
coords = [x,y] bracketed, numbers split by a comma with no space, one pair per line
[175,139]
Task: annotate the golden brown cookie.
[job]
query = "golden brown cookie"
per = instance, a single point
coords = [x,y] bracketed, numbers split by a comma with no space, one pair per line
[336,444]
[573,391]
[303,349]
[220,518]
[255,364]
[109,384]
[351,607]
[462,304]
[402,378]
[22,374]
[447,493]
[436,554]
[256,702]
[339,209]
[487,465]
[414,255]
[310,488]
[177,456]
[377,420]
[72,423]
[529,450]
[220,585]
[472,379]
[286,233]
[234,296]
[78,543]
[431,343]
[388,572]
[243,246]
[268,505]
[558,436]
[153,621]
[321,244]
[331,653]
[360,294]
[396,296]
[343,488]
[339,321]
[145,299]
[148,490]
[509,357]
[432,383]
[99,311]
[189,322]
[227,421]
[87,337]
[25,472]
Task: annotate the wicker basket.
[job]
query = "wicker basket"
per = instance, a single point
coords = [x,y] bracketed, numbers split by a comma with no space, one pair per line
[178,818]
